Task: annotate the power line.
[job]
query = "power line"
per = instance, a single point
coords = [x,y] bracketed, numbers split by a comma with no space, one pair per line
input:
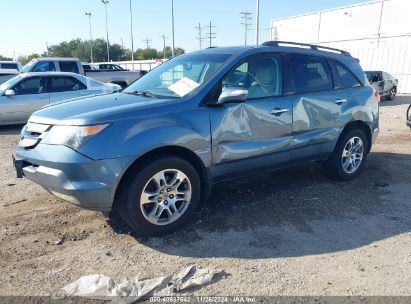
[200,35]
[246,19]
[210,34]
[164,44]
[147,42]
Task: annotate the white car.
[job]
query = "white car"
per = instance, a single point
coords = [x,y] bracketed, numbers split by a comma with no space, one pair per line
[24,94]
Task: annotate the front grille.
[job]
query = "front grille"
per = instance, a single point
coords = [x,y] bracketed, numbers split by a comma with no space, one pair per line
[32,134]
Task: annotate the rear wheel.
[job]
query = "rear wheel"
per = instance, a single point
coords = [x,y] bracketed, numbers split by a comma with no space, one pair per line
[349,155]
[160,197]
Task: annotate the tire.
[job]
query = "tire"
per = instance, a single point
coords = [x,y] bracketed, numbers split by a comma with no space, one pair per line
[336,165]
[392,93]
[152,214]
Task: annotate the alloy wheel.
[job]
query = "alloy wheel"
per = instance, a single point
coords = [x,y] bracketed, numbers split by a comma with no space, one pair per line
[352,155]
[165,197]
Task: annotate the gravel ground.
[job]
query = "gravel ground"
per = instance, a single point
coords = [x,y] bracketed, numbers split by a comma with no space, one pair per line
[290,232]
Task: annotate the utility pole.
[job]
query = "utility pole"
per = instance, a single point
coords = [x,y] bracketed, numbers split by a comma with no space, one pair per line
[379,24]
[200,35]
[172,28]
[257,23]
[211,35]
[105,2]
[91,39]
[131,30]
[246,19]
[164,44]
[47,48]
[147,42]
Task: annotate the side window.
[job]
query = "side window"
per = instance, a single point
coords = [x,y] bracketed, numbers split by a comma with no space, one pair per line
[11,66]
[66,84]
[347,78]
[44,66]
[35,85]
[310,74]
[68,66]
[261,75]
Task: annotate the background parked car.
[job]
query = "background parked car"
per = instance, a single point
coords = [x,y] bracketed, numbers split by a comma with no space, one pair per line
[74,65]
[384,83]
[9,69]
[26,93]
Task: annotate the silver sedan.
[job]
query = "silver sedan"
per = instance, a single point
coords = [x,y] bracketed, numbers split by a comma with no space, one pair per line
[26,93]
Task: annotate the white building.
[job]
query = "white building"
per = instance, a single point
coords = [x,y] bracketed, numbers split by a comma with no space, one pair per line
[378,33]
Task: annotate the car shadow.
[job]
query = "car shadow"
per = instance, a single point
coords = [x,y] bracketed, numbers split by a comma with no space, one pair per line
[11,129]
[399,100]
[296,212]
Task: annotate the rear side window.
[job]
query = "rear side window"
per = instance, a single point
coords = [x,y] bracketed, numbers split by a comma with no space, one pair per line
[35,85]
[69,66]
[12,66]
[310,74]
[66,84]
[44,66]
[347,79]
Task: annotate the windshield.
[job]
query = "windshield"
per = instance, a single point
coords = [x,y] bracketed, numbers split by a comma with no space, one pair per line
[178,77]
[9,83]
[27,67]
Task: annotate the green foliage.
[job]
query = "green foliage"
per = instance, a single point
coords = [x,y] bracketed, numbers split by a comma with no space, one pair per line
[2,58]
[78,48]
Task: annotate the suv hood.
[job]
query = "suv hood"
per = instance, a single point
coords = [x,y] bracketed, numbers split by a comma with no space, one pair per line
[99,109]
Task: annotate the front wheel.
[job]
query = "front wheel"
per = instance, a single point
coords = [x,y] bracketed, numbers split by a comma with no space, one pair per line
[160,197]
[349,155]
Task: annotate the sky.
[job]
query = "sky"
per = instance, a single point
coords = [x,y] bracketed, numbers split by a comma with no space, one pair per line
[32,24]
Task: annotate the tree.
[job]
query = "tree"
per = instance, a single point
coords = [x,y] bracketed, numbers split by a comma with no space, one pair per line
[2,58]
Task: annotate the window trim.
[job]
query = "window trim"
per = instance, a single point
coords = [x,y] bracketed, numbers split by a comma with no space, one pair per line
[291,80]
[206,101]
[30,78]
[69,77]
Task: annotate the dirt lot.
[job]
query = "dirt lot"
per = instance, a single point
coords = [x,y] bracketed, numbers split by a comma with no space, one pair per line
[290,232]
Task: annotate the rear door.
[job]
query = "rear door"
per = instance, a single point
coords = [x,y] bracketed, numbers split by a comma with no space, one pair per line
[32,94]
[255,134]
[317,111]
[66,87]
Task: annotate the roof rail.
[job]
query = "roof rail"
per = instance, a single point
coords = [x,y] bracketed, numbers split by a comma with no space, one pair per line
[312,46]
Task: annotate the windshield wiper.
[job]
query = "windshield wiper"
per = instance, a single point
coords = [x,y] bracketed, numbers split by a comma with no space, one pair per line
[143,93]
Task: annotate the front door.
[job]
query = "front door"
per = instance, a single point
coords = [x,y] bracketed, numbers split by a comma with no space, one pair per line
[31,94]
[255,134]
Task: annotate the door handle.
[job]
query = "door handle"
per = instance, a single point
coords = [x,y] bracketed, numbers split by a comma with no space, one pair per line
[340,101]
[278,112]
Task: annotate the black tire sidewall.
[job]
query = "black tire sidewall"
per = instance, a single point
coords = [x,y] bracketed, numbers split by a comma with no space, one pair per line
[130,204]
[334,163]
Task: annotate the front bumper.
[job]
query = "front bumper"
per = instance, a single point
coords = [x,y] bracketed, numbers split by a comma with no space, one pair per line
[72,176]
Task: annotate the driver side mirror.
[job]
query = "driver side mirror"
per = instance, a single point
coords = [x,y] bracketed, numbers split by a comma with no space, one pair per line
[233,94]
[9,93]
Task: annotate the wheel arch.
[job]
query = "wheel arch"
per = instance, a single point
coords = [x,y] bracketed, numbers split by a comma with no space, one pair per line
[359,124]
[178,151]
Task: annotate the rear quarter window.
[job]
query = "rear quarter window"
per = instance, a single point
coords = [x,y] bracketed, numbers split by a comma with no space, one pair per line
[346,77]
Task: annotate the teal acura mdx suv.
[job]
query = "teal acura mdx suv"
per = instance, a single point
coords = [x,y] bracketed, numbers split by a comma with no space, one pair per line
[153,151]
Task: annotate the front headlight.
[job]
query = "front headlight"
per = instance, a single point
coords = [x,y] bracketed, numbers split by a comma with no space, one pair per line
[72,136]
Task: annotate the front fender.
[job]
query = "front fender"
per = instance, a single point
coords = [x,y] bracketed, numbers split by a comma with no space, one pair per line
[137,136]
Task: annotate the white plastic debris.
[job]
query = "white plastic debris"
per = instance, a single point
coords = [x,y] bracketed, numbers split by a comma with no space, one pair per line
[96,285]
[99,286]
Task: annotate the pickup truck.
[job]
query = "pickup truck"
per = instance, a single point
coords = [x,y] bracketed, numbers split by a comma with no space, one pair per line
[73,65]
